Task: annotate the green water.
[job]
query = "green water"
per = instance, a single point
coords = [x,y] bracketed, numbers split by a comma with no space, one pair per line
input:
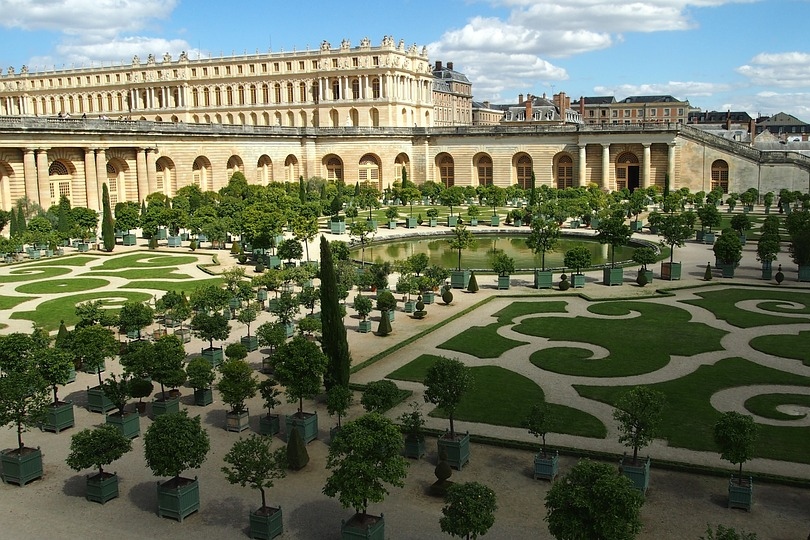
[480,256]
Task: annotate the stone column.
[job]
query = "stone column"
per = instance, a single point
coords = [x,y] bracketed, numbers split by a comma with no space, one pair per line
[151,172]
[671,164]
[142,175]
[43,196]
[645,167]
[90,179]
[581,180]
[606,166]
[30,174]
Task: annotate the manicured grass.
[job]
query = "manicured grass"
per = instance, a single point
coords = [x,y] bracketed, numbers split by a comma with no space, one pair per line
[415,370]
[33,273]
[637,345]
[689,418]
[517,309]
[142,273]
[766,404]
[796,347]
[67,260]
[68,285]
[186,286]
[481,342]
[146,260]
[8,302]
[49,313]
[722,303]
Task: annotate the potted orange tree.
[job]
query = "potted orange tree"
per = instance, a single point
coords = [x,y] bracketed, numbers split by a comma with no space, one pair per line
[638,413]
[546,464]
[735,434]
[445,383]
[98,447]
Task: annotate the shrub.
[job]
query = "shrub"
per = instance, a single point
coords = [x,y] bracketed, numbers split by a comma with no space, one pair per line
[236,351]
[472,285]
[386,301]
[385,325]
[297,455]
[443,473]
[380,396]
[447,296]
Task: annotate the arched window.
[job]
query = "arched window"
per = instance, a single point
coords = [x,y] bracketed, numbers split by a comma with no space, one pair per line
[524,172]
[229,95]
[59,178]
[200,173]
[720,175]
[277,93]
[369,171]
[291,169]
[165,176]
[218,97]
[302,92]
[334,169]
[264,170]
[290,94]
[447,171]
[484,169]
[565,172]
[234,165]
[627,171]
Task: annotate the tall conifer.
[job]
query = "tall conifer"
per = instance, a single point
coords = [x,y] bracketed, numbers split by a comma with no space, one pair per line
[335,343]
[12,225]
[107,223]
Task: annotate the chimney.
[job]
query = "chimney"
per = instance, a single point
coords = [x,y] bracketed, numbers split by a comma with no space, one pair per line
[728,120]
[520,99]
[752,130]
[529,109]
[486,104]
[450,66]
[582,106]
[438,65]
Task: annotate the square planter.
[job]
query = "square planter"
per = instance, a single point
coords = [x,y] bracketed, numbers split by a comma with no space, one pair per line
[433,222]
[363,526]
[337,227]
[97,401]
[638,473]
[741,495]
[767,270]
[305,423]
[392,313]
[214,355]
[458,449]
[495,220]
[452,221]
[165,406]
[21,466]
[543,279]
[83,247]
[573,224]
[392,224]
[251,343]
[503,282]
[237,421]
[162,234]
[372,224]
[428,297]
[648,274]
[289,329]
[410,223]
[804,273]
[178,500]
[459,279]
[409,306]
[269,424]
[727,270]
[414,447]
[636,226]
[578,281]
[546,466]
[101,487]
[518,223]
[266,523]
[473,222]
[612,276]
[364,327]
[59,417]
[203,397]
[708,238]
[129,425]
[184,335]
[670,271]
[174,241]
[273,261]
[202,238]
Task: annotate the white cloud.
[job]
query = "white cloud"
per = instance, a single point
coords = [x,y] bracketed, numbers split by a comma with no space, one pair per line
[784,70]
[678,89]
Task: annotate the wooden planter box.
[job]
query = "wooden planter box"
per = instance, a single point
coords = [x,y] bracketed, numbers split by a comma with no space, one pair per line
[804,273]
[577,281]
[306,424]
[178,501]
[161,406]
[59,417]
[741,495]
[473,222]
[129,425]
[409,306]
[203,397]
[433,222]
[392,224]
[639,474]
[458,449]
[495,220]
[337,227]
[372,224]
[356,527]
[543,279]
[21,467]
[727,270]
[97,401]
[82,247]
[503,282]
[364,327]
[612,276]
[266,523]
[269,424]
[101,488]
[546,466]
[184,335]
[410,223]
[452,221]
[670,271]
[215,356]
[95,370]
[251,343]
[428,297]
[414,447]
[459,279]
[237,422]
[767,270]
[708,238]
[636,226]
[174,241]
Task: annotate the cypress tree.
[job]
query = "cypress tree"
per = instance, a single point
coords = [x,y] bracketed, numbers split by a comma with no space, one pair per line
[143,208]
[334,342]
[297,455]
[22,226]
[533,193]
[302,190]
[63,225]
[107,223]
[12,230]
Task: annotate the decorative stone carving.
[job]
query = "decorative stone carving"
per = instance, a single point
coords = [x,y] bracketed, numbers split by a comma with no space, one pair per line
[325,46]
[150,60]
[167,58]
[184,56]
[136,61]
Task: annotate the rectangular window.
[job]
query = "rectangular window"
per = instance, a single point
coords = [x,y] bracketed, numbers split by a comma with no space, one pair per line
[276,67]
[174,73]
[301,65]
[614,114]
[355,62]
[375,60]
[117,78]
[590,114]
[205,72]
[680,112]
[193,72]
[666,112]
[264,68]
[289,66]
[314,64]
[239,69]
[627,113]
[216,71]
[227,70]
[108,78]
[334,62]
[252,68]
[653,112]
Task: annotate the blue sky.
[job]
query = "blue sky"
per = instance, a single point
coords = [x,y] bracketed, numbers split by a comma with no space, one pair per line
[749,55]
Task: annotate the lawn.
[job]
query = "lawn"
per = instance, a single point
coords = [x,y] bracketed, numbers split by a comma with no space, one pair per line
[517,309]
[722,303]
[32,273]
[141,273]
[634,344]
[186,286]
[766,405]
[689,418]
[68,285]
[481,342]
[48,314]
[146,260]
[8,302]
[786,346]
[68,260]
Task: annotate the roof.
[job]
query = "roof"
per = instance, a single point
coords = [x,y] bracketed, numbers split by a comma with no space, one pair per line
[597,100]
[780,119]
[650,99]
[719,116]
[450,74]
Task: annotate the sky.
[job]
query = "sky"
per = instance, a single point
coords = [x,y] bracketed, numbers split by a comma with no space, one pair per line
[739,55]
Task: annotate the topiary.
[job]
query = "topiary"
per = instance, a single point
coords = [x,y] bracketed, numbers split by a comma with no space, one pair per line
[385,324]
[153,244]
[242,258]
[443,473]
[259,268]
[193,245]
[236,248]
[447,296]
[707,276]
[297,455]
[472,285]
[564,283]
[641,279]
[380,396]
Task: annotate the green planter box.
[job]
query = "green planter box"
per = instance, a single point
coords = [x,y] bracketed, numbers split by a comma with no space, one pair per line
[670,271]
[727,270]
[543,279]
[638,473]
[767,270]
[165,406]
[503,282]
[458,449]
[410,223]
[473,222]
[289,329]
[184,335]
[636,226]
[409,306]
[215,356]
[266,523]
[741,495]
[273,261]
[546,466]
[21,467]
[452,221]
[414,448]
[101,488]
[237,422]
[804,273]
[174,241]
[578,281]
[337,227]
[203,397]
[495,220]
[162,234]
[178,501]
[708,238]
[364,327]
[306,424]
[459,279]
[428,297]
[573,224]
[269,424]
[129,425]
[82,247]
[251,343]
[518,223]
[359,526]
[392,313]
[433,222]
[612,276]
[59,417]
[372,224]
[97,401]
[392,224]
[648,274]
